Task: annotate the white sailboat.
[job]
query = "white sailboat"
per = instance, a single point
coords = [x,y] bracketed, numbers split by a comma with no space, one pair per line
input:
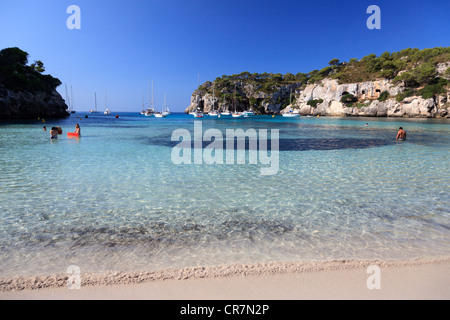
[71,108]
[213,113]
[197,113]
[291,114]
[151,110]
[166,110]
[95,109]
[225,112]
[107,111]
[158,114]
[235,113]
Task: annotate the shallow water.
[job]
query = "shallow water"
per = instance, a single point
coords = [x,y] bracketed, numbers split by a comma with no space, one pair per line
[113,200]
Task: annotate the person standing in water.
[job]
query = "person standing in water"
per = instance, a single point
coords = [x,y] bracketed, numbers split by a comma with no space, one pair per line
[401,135]
[54,133]
[77,129]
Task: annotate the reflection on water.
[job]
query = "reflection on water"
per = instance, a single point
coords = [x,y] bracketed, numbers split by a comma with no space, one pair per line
[114,200]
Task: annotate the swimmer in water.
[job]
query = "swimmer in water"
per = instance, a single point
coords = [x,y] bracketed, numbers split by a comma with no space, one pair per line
[54,133]
[401,135]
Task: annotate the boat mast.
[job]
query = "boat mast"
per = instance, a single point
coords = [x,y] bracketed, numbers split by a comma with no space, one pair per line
[95,94]
[71,98]
[214,98]
[234,100]
[67,97]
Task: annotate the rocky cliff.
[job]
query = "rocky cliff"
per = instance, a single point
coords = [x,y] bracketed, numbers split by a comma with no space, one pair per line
[25,91]
[247,96]
[328,97]
[328,94]
[409,83]
[23,104]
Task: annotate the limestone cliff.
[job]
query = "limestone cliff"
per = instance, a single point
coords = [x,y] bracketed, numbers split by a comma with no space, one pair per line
[408,83]
[367,103]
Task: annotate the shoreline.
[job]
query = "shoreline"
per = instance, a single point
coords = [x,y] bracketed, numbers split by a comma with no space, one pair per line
[340,279]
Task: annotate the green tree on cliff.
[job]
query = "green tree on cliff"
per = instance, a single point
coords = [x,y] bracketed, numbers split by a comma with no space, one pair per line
[38,66]
[334,62]
[16,75]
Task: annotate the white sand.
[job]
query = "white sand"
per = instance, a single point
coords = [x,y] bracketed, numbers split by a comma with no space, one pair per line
[418,279]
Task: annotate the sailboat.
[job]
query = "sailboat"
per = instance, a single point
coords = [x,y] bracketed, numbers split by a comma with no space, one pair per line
[151,110]
[67,100]
[94,110]
[213,112]
[291,114]
[235,114]
[157,114]
[225,112]
[71,104]
[198,113]
[166,110]
[160,114]
[107,111]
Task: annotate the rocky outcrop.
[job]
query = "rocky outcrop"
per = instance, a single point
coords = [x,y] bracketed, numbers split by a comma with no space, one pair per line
[368,105]
[328,94]
[24,104]
[413,107]
[249,97]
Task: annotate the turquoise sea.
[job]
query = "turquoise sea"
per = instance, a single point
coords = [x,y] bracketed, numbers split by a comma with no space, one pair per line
[113,200]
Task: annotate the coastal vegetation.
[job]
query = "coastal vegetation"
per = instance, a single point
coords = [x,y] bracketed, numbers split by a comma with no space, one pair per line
[384,96]
[313,103]
[15,74]
[415,68]
[25,91]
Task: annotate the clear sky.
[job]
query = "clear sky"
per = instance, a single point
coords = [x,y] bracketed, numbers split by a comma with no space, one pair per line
[123,44]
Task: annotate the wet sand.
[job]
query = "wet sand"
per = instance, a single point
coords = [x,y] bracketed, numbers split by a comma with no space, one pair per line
[416,279]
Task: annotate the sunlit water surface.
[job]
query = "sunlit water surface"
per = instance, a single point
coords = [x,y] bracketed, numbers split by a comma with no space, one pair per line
[113,200]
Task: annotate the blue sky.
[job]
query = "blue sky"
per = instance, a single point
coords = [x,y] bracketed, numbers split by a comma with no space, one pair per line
[124,44]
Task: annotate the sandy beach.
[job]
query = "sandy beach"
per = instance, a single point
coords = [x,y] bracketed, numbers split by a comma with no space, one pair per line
[416,279]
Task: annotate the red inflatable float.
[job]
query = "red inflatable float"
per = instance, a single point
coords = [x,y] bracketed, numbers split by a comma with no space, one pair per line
[73,135]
